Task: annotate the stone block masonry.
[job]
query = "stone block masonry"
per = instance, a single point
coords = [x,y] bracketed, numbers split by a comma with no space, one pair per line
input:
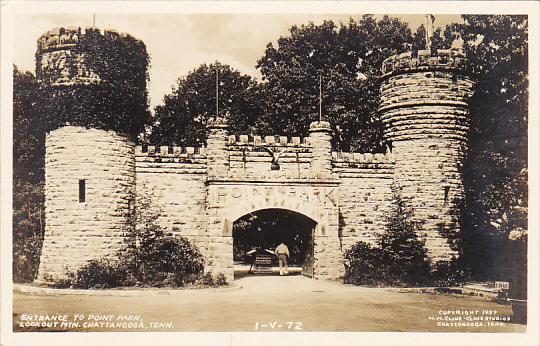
[92,175]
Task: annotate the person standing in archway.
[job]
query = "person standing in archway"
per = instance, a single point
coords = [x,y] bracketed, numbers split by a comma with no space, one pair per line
[282,252]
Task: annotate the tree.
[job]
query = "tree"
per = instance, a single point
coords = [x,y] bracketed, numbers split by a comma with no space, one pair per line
[348,58]
[181,119]
[495,174]
[401,244]
[28,177]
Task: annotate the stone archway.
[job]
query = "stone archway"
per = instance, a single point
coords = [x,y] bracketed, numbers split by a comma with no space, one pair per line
[228,201]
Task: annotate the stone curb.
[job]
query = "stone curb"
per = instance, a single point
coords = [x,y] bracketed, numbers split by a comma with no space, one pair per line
[141,292]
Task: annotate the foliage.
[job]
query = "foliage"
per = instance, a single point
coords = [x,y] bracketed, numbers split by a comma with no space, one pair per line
[28,176]
[450,273]
[118,102]
[220,280]
[101,273]
[348,58]
[364,265]
[159,255]
[182,118]
[401,245]
[158,261]
[495,173]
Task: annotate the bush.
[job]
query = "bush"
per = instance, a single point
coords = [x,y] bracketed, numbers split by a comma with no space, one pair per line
[207,280]
[26,252]
[101,273]
[221,280]
[363,265]
[450,273]
[159,261]
[163,257]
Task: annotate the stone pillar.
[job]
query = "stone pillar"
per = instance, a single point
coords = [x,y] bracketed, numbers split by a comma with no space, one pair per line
[425,112]
[216,149]
[327,250]
[320,137]
[89,187]
[218,241]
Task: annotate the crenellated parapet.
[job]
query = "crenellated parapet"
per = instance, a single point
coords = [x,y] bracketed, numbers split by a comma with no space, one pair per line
[339,157]
[442,59]
[69,37]
[61,59]
[170,151]
[283,141]
[425,97]
[368,165]
[170,159]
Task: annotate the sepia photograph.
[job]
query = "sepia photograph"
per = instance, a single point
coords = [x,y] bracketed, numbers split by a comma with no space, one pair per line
[275,169]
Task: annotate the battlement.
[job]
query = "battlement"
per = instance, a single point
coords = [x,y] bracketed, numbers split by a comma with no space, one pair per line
[250,140]
[443,59]
[362,158]
[168,151]
[68,37]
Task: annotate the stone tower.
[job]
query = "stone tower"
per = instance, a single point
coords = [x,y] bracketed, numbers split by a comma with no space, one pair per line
[89,173]
[425,112]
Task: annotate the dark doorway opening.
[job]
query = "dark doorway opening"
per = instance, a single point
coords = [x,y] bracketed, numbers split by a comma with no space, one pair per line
[256,235]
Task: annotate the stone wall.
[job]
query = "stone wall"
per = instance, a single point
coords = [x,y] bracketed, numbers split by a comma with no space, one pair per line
[77,232]
[428,174]
[173,180]
[365,194]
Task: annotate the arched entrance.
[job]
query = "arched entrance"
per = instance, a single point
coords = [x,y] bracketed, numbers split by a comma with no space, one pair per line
[258,233]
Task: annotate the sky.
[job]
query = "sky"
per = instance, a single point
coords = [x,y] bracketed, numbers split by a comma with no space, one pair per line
[179,43]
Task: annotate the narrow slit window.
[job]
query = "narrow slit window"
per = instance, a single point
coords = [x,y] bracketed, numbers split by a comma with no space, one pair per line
[82,190]
[446,191]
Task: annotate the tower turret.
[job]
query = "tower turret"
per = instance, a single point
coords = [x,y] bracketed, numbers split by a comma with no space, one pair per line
[425,112]
[89,171]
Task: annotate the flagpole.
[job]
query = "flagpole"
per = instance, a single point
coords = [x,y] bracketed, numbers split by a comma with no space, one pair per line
[320,98]
[428,45]
[217,92]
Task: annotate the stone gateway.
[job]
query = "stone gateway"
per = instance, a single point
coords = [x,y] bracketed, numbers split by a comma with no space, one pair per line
[201,192]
